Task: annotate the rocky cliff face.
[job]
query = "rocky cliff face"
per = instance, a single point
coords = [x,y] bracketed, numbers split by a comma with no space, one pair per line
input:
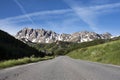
[44,36]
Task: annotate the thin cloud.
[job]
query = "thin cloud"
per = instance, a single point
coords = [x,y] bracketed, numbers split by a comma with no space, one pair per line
[106,6]
[24,11]
[12,28]
[10,24]
[41,13]
[89,14]
[64,25]
[99,1]
[8,27]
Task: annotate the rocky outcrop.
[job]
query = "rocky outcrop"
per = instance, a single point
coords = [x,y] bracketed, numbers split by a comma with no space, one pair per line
[45,36]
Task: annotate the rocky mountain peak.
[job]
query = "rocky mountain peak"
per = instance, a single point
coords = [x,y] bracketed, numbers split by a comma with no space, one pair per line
[48,36]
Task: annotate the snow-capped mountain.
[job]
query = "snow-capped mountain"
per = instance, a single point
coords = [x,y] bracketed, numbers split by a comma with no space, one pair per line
[45,36]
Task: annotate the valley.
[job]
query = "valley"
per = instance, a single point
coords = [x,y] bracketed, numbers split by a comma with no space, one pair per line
[59,39]
[59,60]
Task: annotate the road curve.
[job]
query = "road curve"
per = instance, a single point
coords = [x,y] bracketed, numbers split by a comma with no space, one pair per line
[62,68]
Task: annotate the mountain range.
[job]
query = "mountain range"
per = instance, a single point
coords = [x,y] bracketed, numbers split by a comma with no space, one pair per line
[48,36]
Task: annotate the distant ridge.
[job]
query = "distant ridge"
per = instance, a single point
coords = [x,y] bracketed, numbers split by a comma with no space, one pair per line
[48,36]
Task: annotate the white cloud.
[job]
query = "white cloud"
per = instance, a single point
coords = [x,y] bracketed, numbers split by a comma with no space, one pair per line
[89,14]
[12,28]
[10,24]
[106,6]
[8,27]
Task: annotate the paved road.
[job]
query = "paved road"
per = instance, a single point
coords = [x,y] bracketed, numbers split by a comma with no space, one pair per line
[62,68]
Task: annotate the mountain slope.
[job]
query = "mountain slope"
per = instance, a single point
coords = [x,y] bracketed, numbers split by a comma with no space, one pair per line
[44,36]
[106,53]
[11,48]
[62,48]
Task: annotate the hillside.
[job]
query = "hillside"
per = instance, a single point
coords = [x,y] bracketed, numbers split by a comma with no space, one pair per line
[62,48]
[11,48]
[105,53]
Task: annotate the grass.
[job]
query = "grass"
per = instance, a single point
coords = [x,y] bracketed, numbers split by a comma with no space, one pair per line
[105,53]
[14,62]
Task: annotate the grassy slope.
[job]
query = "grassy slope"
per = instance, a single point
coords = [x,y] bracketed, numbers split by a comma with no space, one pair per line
[14,62]
[105,53]
[63,48]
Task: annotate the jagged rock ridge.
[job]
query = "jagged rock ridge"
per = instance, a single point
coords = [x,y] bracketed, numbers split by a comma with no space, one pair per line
[45,36]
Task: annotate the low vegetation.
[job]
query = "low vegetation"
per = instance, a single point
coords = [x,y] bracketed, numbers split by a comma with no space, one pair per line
[11,48]
[105,53]
[15,52]
[63,48]
[14,62]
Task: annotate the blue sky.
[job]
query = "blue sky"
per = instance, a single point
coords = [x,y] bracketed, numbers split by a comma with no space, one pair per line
[61,16]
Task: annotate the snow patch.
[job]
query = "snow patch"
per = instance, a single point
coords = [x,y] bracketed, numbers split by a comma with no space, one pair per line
[47,40]
[34,40]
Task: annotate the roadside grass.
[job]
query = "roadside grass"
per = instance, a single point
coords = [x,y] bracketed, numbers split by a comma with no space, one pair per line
[106,53]
[14,62]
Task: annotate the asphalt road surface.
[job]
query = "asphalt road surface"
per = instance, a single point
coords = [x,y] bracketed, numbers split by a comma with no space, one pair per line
[62,68]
